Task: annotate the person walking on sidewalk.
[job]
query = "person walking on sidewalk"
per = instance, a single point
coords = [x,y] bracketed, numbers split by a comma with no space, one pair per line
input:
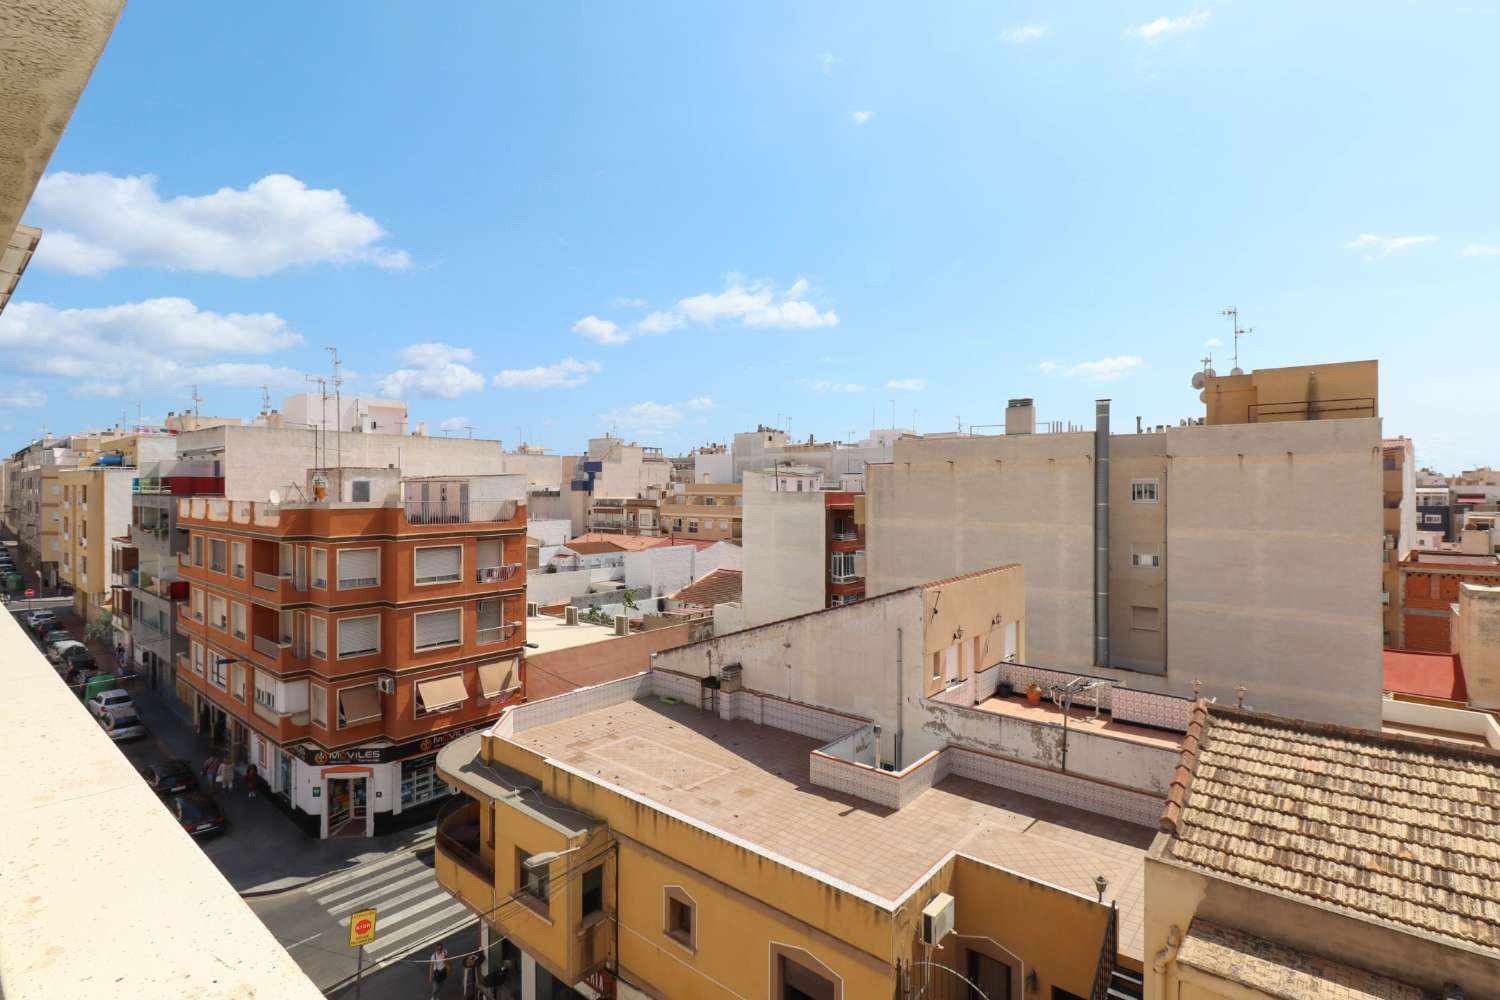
[251,776]
[211,771]
[226,775]
[437,969]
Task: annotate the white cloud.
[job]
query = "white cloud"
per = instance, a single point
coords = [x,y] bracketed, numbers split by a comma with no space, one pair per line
[1371,246]
[97,222]
[1482,250]
[454,424]
[860,117]
[1103,370]
[1213,342]
[651,420]
[1047,367]
[756,304]
[600,331]
[1023,33]
[22,395]
[823,385]
[153,344]
[629,302]
[907,384]
[1163,27]
[659,322]
[565,374]
[436,371]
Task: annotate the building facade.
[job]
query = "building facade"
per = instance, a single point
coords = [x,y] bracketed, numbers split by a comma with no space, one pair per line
[804,548]
[335,645]
[1398,483]
[709,512]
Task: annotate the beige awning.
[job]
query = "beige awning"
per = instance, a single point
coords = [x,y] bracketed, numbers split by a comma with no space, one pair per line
[496,678]
[442,692]
[359,704]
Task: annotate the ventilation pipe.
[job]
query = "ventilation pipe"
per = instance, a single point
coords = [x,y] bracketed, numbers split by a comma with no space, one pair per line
[1101,533]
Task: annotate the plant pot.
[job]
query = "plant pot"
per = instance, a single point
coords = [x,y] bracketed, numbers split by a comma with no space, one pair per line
[1034,695]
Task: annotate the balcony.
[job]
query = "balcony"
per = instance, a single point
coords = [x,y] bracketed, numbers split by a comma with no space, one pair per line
[425,512]
[270,648]
[460,861]
[269,581]
[496,574]
[289,725]
[181,486]
[495,634]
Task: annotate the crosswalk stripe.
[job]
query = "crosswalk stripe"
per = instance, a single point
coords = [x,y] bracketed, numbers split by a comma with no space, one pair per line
[387,920]
[421,890]
[369,894]
[361,870]
[374,883]
[388,942]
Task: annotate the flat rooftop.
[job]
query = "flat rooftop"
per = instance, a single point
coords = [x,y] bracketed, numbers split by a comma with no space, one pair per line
[752,781]
[1079,718]
[549,634]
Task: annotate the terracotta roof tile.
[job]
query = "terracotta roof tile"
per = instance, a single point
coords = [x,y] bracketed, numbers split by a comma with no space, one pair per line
[1393,829]
[722,586]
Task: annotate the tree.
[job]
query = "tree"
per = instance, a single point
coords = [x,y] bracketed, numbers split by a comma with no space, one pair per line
[629,597]
[102,628]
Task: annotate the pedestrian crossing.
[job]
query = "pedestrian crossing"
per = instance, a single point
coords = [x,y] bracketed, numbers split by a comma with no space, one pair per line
[402,887]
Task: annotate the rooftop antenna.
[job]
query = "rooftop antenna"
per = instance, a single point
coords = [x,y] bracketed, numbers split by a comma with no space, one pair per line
[265,399]
[139,420]
[322,422]
[1239,331]
[470,429]
[338,415]
[893,413]
[196,400]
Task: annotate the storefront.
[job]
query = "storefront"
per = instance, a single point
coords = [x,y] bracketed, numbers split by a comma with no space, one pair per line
[348,789]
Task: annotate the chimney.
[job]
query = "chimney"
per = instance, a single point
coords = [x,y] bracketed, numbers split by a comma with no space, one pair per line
[1020,417]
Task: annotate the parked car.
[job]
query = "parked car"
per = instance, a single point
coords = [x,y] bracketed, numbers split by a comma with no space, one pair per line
[57,651]
[56,635]
[122,726]
[41,622]
[114,700]
[199,814]
[79,669]
[171,776]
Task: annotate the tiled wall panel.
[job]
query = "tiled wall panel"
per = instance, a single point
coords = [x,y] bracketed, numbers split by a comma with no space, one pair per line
[1054,786]
[588,699]
[1149,709]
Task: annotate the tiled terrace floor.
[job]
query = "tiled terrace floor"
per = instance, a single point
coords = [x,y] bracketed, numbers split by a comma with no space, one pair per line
[752,781]
[1079,718]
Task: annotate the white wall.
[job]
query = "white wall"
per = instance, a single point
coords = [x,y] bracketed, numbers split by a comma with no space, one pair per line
[556,588]
[713,467]
[660,571]
[785,552]
[551,531]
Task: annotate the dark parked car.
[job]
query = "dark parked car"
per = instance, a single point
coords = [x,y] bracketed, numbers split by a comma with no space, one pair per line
[54,635]
[199,814]
[170,777]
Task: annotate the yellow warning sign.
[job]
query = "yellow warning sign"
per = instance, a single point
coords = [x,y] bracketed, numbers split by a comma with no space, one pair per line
[361,928]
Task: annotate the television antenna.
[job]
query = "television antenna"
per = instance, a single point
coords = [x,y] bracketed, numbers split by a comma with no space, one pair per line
[265,399]
[470,429]
[338,414]
[1233,313]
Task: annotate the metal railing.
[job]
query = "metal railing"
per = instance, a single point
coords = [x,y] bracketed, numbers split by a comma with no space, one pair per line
[495,633]
[1108,955]
[496,574]
[451,511]
[1313,409]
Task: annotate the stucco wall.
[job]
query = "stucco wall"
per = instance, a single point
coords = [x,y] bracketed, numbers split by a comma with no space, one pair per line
[564,670]
[547,589]
[786,557]
[1476,639]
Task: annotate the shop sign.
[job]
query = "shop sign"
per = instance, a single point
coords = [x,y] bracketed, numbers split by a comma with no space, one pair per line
[382,755]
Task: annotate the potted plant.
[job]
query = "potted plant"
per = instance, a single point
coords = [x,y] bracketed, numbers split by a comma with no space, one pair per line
[1034,694]
[1005,689]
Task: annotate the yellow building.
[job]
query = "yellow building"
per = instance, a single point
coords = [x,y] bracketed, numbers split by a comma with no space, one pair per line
[1301,392]
[709,511]
[674,834]
[1318,861]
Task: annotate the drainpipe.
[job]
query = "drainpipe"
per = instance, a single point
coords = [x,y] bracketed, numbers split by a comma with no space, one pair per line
[900,703]
[1101,533]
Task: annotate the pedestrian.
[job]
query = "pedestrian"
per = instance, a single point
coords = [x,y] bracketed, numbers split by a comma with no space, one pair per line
[211,771]
[226,775]
[251,776]
[437,969]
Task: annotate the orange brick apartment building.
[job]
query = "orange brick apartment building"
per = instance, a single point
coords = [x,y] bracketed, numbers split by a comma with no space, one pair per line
[1429,589]
[337,646]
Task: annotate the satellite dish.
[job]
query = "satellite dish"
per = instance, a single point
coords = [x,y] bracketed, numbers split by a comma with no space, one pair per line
[1203,396]
[1198,380]
[1236,371]
[1209,373]
[275,497]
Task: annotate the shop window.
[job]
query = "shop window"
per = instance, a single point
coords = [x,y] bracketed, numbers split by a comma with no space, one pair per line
[593,891]
[420,782]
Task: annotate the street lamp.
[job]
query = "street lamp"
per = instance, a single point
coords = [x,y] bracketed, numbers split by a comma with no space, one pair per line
[544,859]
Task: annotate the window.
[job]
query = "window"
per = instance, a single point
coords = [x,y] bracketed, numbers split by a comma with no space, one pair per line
[237,614]
[197,550]
[218,671]
[237,672]
[359,491]
[358,568]
[1143,618]
[197,605]
[438,564]
[318,704]
[1145,556]
[320,568]
[843,566]
[796,981]
[218,612]
[198,659]
[265,690]
[676,524]
[593,891]
[440,694]
[680,916]
[1143,491]
[436,629]
[359,636]
[358,704]
[692,527]
[535,882]
[319,637]
[237,559]
[216,551]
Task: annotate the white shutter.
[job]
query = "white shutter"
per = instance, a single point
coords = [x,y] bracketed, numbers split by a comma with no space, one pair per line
[438,628]
[489,552]
[442,564]
[359,635]
[359,568]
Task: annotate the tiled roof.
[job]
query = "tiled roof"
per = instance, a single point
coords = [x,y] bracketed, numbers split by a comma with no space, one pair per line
[1430,675]
[1269,969]
[621,542]
[594,548]
[1392,829]
[722,586]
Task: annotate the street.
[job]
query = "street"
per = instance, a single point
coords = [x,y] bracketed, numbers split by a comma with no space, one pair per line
[302,888]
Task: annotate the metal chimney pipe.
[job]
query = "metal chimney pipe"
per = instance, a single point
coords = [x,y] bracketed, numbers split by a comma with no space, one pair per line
[1101,533]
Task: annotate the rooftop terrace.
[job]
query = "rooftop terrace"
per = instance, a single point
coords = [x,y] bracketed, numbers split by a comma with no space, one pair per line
[752,783]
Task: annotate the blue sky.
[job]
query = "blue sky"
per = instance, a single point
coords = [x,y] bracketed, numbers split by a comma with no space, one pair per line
[681,220]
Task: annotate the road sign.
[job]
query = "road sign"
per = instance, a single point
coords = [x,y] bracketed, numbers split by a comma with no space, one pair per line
[361,928]
[30,592]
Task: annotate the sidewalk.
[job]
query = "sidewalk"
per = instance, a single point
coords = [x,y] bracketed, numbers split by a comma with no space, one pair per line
[264,850]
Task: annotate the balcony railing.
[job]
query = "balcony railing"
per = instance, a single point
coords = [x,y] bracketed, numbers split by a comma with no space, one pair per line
[268,581]
[270,647]
[496,574]
[421,512]
[495,633]
[458,837]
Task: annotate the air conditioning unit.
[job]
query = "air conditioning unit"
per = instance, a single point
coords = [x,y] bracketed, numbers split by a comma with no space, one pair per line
[937,919]
[622,625]
[386,685]
[570,616]
[531,609]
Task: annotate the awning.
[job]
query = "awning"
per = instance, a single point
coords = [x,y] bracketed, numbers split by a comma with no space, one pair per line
[441,692]
[496,678]
[359,704]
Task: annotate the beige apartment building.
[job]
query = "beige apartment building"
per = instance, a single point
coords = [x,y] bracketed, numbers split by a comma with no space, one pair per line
[1398,484]
[708,511]
[1184,559]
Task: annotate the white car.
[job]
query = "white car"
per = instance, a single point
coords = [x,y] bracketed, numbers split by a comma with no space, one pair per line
[116,700]
[123,726]
[59,650]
